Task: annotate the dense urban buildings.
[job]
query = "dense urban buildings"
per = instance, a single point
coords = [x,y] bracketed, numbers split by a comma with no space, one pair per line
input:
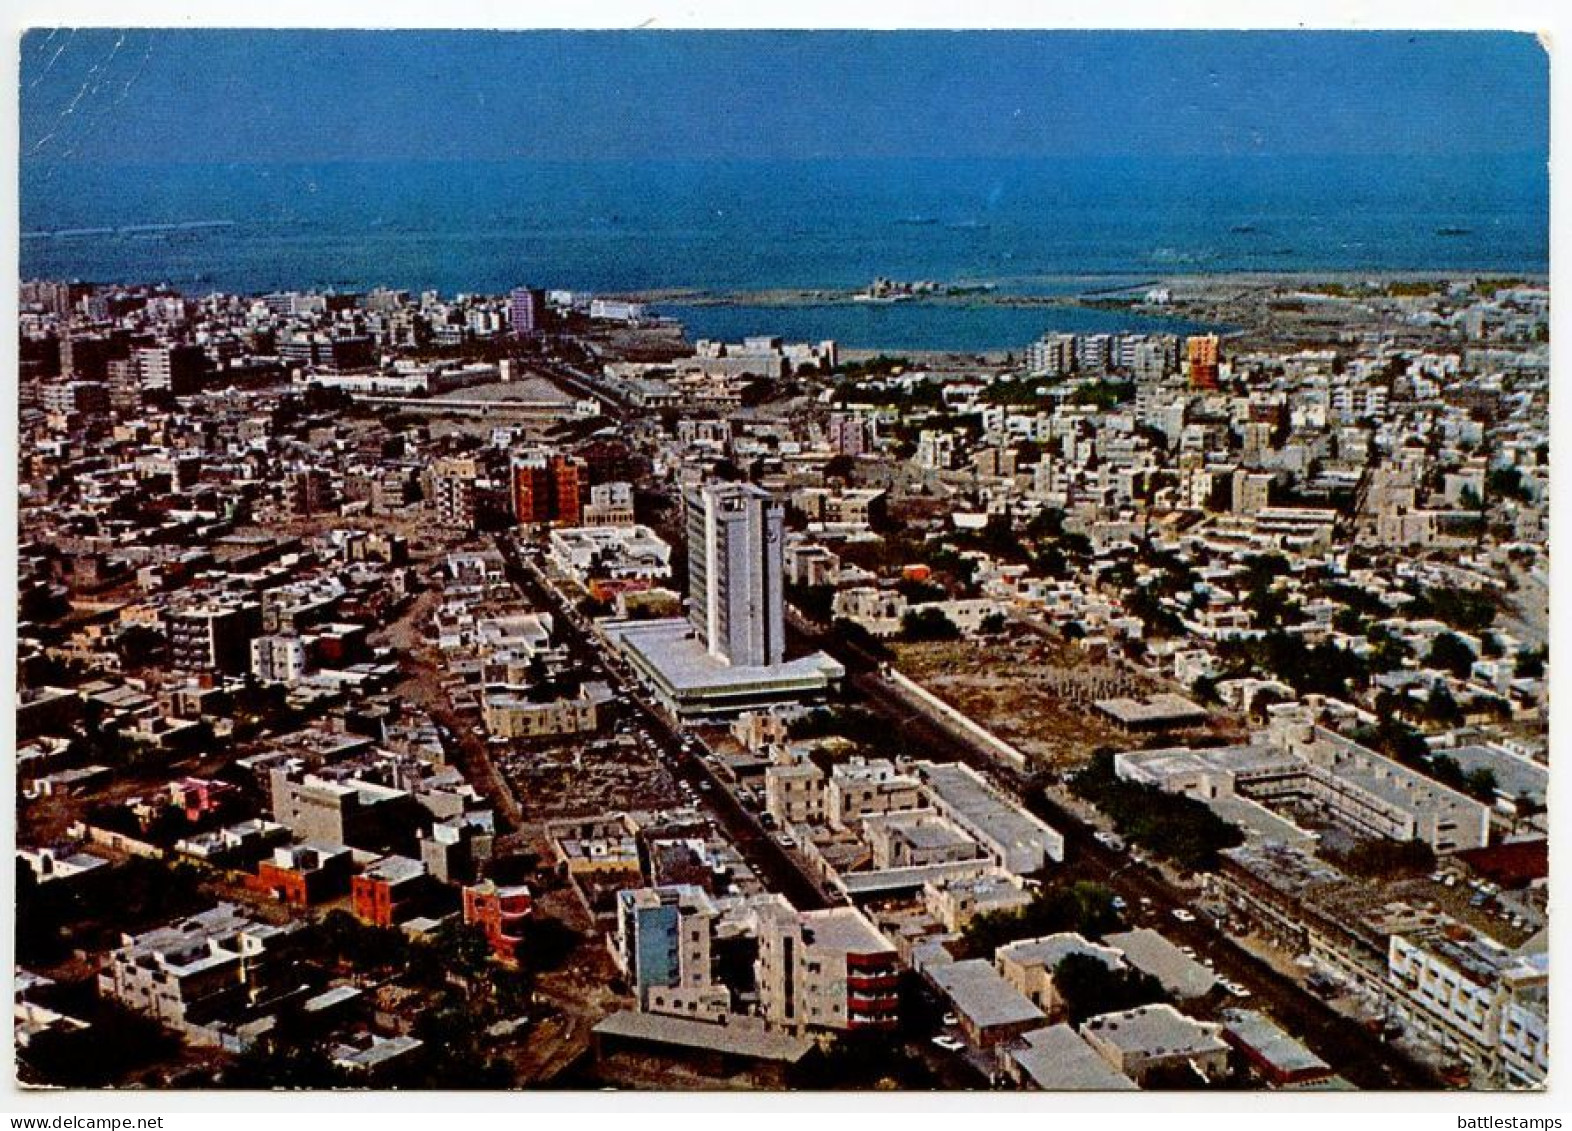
[1131,711]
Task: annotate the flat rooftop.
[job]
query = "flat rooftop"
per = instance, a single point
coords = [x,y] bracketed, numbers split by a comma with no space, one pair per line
[1239,760]
[1050,950]
[1153,954]
[972,799]
[1159,1030]
[1160,710]
[1515,776]
[1256,1031]
[1259,821]
[891,881]
[1055,1059]
[982,996]
[670,654]
[845,929]
[679,1032]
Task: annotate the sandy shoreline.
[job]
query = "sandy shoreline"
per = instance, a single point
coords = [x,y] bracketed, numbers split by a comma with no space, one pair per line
[1096,288]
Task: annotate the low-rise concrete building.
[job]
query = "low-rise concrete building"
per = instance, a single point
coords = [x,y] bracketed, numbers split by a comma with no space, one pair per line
[1029,965]
[1056,1059]
[1152,1038]
[989,1008]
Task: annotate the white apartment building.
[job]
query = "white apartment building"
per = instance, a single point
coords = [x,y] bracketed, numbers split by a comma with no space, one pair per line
[829,970]
[1474,997]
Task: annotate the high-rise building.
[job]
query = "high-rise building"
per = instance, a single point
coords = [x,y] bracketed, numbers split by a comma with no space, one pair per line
[546,489]
[827,969]
[174,369]
[735,560]
[1053,355]
[663,937]
[212,638]
[307,491]
[526,311]
[1203,354]
[851,434]
[91,398]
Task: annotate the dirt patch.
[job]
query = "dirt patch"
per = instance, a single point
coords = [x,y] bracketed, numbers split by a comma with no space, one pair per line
[1034,694]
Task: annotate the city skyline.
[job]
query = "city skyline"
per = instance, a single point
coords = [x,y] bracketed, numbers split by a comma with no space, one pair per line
[968,562]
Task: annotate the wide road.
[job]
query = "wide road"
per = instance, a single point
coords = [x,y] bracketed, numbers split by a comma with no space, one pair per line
[682,755]
[1361,1057]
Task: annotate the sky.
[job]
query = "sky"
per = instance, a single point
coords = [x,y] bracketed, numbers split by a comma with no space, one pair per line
[154,96]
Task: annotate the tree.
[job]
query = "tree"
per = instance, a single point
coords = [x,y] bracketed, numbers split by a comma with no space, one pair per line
[993,624]
[1176,827]
[1088,987]
[926,623]
[1083,907]
[839,467]
[1450,653]
[1481,782]
[1508,482]
[1531,662]
[139,645]
[1441,707]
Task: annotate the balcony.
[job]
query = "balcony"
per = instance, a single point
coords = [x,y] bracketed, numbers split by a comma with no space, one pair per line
[872,982]
[872,1004]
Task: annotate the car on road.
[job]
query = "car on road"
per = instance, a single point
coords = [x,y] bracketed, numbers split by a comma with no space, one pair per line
[949,1044]
[1118,903]
[950,1020]
[785,840]
[1184,916]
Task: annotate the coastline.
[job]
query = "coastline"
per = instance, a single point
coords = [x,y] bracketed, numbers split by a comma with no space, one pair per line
[1002,295]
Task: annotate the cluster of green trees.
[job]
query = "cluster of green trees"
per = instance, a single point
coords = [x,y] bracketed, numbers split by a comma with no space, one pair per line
[816,602]
[927,624]
[1104,394]
[1451,653]
[1083,907]
[1509,483]
[1159,620]
[1176,827]
[1310,669]
[1531,662]
[998,539]
[1088,987]
[1466,609]
[880,366]
[1016,391]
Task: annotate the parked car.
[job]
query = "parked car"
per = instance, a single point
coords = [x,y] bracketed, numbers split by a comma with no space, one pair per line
[949,1044]
[1184,916]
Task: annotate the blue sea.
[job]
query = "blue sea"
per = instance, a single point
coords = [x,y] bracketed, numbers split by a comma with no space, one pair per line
[1026,226]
